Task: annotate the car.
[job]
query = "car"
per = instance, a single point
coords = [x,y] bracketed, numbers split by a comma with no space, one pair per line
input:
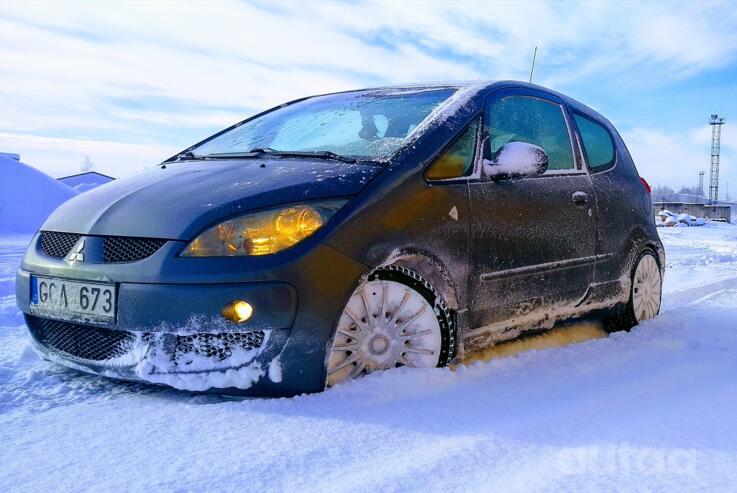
[341,234]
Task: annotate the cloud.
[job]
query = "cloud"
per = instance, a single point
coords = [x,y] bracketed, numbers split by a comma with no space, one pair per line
[62,156]
[675,159]
[163,75]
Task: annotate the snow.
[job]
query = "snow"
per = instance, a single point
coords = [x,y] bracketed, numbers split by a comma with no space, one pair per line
[447,109]
[514,159]
[243,377]
[88,180]
[684,219]
[670,221]
[27,196]
[84,187]
[667,218]
[648,410]
[192,371]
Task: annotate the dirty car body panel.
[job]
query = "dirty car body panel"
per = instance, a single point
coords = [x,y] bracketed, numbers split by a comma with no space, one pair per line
[505,255]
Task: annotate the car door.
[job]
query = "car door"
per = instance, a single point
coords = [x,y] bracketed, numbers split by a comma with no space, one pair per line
[532,238]
[619,194]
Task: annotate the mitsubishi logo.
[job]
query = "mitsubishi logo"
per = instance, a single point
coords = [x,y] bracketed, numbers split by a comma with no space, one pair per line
[78,255]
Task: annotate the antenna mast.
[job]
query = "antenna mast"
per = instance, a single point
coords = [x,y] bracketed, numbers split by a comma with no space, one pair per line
[716,123]
[532,70]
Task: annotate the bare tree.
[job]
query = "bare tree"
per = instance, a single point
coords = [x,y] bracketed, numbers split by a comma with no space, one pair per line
[691,191]
[87,164]
[661,193]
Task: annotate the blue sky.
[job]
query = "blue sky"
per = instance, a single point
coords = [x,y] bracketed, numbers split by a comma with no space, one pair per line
[129,84]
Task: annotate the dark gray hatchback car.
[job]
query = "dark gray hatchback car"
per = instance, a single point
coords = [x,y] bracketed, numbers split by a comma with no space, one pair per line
[341,234]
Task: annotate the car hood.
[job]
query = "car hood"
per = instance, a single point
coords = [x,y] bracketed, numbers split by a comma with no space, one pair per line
[177,201]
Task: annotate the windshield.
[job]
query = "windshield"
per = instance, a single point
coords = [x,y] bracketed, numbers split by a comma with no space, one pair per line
[369,125]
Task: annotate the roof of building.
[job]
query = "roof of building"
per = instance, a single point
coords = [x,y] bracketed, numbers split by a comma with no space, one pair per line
[85,174]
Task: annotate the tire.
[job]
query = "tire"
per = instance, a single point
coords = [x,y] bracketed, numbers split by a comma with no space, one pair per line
[646,287]
[394,318]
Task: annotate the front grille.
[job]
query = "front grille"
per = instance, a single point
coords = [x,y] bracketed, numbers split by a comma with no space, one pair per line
[56,244]
[218,346]
[80,341]
[124,249]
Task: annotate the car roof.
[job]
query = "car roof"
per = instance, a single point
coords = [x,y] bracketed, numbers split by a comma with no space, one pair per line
[474,87]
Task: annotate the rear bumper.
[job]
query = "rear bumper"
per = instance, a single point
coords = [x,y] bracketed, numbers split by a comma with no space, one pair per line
[172,333]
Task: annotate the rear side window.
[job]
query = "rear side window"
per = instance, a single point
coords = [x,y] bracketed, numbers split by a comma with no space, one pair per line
[457,160]
[534,121]
[597,143]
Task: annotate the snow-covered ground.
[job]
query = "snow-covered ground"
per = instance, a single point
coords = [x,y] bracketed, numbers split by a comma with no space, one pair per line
[653,409]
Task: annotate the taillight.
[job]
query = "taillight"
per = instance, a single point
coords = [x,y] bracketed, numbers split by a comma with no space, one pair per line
[646,185]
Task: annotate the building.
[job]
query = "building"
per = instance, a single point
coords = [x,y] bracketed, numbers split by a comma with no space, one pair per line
[85,181]
[719,212]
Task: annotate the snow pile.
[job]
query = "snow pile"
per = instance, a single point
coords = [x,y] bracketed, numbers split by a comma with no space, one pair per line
[669,219]
[197,372]
[83,187]
[27,196]
[241,377]
[514,159]
[684,219]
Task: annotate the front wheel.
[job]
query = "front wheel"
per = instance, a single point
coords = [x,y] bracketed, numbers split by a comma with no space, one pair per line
[391,320]
[645,295]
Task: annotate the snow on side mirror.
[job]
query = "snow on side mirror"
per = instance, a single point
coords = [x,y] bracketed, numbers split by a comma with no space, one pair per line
[516,160]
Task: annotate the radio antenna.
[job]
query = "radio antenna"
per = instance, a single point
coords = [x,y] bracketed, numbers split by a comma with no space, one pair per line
[532,70]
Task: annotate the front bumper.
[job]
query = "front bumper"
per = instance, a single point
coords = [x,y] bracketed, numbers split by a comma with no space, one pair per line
[172,333]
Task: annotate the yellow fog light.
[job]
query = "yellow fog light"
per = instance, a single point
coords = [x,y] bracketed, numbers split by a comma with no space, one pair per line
[237,311]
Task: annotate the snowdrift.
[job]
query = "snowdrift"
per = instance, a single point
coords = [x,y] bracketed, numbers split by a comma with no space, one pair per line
[27,196]
[83,187]
[669,219]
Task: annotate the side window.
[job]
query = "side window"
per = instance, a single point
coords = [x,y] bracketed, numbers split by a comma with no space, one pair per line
[596,142]
[456,160]
[532,120]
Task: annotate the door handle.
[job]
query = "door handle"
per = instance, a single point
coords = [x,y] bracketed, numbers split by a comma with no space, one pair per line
[580,199]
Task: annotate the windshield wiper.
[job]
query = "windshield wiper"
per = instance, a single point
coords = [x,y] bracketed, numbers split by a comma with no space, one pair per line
[234,155]
[268,151]
[186,156]
[317,154]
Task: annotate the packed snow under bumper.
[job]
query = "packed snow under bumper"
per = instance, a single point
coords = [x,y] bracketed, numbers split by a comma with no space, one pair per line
[196,361]
[196,353]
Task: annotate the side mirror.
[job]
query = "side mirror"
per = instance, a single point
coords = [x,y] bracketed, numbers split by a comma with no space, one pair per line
[516,160]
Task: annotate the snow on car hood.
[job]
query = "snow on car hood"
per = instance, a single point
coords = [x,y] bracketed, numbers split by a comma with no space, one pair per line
[181,199]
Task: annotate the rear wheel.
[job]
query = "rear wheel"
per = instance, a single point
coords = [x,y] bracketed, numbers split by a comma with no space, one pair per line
[645,295]
[393,319]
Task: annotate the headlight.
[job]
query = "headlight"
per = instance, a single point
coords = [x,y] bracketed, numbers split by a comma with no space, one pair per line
[262,233]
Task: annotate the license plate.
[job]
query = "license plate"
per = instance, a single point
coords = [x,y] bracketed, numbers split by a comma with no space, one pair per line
[72,300]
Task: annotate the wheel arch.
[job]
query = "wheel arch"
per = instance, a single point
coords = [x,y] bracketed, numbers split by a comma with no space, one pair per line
[640,239]
[429,267]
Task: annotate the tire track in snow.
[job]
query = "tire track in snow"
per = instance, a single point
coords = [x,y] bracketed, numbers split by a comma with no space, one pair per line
[676,299]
